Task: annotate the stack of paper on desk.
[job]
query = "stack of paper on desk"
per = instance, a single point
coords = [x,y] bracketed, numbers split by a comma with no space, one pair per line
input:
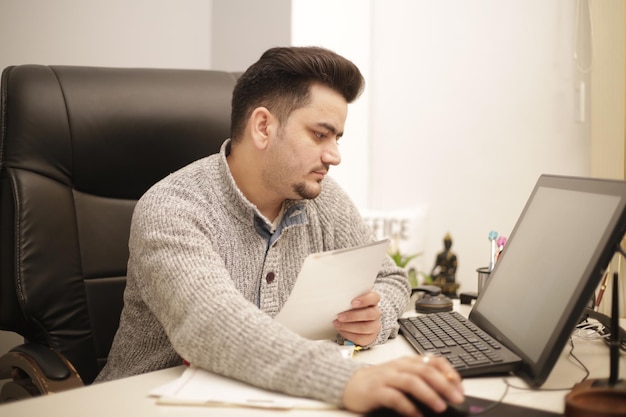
[199,387]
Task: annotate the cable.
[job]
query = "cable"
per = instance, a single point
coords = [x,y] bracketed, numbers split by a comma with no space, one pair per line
[582,365]
[495,403]
[570,355]
[578,56]
[606,330]
[508,384]
[583,41]
[590,331]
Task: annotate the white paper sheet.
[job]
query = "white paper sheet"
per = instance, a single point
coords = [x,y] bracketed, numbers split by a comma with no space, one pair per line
[327,284]
[199,387]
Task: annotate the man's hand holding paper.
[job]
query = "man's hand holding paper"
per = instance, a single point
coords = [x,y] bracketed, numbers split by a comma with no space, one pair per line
[361,324]
[335,287]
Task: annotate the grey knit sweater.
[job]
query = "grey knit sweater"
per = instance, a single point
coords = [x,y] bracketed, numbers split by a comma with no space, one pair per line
[203,284]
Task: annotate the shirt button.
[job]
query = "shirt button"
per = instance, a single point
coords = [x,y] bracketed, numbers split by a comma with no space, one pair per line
[269,278]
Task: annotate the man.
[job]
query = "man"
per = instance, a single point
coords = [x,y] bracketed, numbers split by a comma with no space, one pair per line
[215,249]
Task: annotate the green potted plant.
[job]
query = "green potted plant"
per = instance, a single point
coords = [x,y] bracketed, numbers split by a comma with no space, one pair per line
[403,261]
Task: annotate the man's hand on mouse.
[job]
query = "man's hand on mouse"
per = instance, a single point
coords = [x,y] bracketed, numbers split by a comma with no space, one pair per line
[361,324]
[430,380]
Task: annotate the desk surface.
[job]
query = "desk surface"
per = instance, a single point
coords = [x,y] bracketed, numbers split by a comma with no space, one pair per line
[130,396]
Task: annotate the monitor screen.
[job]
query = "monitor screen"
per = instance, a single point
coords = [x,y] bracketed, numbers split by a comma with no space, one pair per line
[553,261]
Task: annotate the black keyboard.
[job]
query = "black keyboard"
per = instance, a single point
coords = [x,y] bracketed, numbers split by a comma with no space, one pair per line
[470,350]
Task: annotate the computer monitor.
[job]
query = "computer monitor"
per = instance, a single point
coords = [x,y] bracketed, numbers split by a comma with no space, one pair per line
[553,261]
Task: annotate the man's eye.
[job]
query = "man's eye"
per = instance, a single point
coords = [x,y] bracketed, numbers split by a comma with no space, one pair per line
[319,135]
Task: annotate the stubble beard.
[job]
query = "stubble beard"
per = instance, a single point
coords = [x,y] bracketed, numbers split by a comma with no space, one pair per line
[306,193]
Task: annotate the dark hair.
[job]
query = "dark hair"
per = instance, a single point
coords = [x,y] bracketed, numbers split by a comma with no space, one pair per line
[281,78]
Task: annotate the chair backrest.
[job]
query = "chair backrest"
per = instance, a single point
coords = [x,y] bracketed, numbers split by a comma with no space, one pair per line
[79,146]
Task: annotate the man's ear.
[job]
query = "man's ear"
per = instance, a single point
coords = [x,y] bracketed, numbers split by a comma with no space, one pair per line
[260,121]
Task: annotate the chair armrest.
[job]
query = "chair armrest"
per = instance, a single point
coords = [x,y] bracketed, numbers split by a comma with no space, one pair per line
[36,370]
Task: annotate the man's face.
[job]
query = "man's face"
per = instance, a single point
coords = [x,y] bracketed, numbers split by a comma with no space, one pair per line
[305,146]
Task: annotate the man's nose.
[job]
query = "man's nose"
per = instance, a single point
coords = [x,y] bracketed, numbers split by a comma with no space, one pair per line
[331,154]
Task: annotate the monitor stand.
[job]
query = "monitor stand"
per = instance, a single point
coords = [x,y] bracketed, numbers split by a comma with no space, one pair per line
[602,397]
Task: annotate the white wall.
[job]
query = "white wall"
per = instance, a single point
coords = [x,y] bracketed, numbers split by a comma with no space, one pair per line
[347,31]
[242,30]
[137,33]
[469,102]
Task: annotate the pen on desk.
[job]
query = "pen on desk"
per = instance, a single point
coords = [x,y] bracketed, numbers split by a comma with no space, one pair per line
[492,239]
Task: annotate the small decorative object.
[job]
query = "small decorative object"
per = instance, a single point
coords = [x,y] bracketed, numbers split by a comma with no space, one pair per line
[444,270]
[431,300]
[501,241]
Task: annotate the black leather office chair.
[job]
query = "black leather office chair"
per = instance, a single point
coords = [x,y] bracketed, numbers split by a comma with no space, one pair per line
[79,146]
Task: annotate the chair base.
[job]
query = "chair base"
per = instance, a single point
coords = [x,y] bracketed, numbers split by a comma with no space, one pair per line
[28,379]
[18,390]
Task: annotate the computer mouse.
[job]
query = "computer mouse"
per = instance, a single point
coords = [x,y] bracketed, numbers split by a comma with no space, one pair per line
[453,410]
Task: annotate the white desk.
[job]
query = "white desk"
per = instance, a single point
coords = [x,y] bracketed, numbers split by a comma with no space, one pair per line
[128,397]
